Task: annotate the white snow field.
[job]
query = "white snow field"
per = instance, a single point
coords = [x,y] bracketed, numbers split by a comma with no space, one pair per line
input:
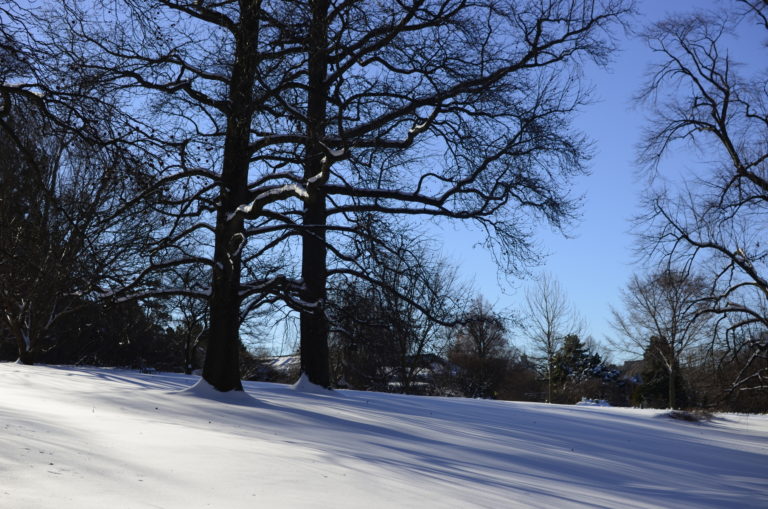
[108,438]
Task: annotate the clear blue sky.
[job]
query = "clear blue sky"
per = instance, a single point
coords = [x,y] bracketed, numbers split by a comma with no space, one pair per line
[595,264]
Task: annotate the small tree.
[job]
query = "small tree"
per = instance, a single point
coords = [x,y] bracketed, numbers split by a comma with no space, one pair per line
[663,318]
[190,318]
[481,351]
[548,320]
[573,364]
[657,378]
[385,328]
[360,345]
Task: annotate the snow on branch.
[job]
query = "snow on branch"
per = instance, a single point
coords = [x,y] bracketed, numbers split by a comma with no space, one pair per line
[269,196]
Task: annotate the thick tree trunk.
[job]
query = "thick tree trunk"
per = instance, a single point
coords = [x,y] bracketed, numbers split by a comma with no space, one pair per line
[26,356]
[222,368]
[24,343]
[314,324]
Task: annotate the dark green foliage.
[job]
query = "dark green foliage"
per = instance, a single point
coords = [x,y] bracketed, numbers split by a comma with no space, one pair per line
[579,372]
[573,364]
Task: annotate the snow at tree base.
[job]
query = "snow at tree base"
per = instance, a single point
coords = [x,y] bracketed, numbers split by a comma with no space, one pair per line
[96,438]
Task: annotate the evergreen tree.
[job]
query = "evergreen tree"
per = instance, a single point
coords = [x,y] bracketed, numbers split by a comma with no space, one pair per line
[573,364]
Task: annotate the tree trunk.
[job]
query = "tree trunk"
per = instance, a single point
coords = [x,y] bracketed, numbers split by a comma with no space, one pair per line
[24,344]
[549,380]
[222,368]
[189,353]
[26,356]
[314,324]
[672,404]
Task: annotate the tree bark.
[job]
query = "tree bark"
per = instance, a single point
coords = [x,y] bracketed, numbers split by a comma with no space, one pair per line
[26,350]
[314,324]
[26,356]
[222,368]
[672,388]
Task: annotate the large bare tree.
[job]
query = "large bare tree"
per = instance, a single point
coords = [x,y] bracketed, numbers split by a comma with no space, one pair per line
[185,78]
[704,98]
[275,127]
[445,109]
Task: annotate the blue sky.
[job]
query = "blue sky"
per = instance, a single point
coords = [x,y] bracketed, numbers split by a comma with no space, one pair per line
[598,260]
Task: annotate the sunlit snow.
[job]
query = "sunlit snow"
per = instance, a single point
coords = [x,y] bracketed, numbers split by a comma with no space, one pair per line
[96,438]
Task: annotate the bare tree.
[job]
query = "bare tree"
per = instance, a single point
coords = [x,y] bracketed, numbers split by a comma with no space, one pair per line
[549,318]
[481,350]
[443,108]
[700,95]
[34,263]
[184,78]
[60,238]
[190,318]
[663,316]
[387,326]
[88,222]
[274,125]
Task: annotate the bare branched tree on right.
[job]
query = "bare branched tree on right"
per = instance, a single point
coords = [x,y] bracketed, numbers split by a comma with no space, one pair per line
[702,97]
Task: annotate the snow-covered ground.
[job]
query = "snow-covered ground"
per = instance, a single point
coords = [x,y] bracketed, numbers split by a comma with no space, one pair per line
[102,438]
